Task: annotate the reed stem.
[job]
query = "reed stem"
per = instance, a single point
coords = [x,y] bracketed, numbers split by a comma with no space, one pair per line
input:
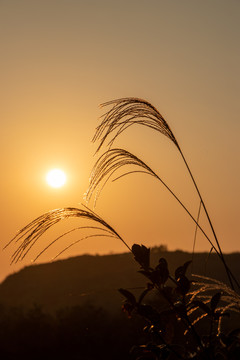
[210,223]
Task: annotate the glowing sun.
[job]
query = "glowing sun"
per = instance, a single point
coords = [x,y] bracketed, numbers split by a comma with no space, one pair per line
[56,178]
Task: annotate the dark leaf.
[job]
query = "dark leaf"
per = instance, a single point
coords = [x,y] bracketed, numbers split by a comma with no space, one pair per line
[144,293]
[183,284]
[129,296]
[161,273]
[142,255]
[181,270]
[159,276]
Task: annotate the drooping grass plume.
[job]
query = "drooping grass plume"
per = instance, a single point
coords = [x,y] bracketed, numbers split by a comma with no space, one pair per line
[30,234]
[113,160]
[126,112]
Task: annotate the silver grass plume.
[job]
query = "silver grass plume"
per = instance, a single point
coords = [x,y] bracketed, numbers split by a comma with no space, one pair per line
[126,112]
[30,234]
[111,161]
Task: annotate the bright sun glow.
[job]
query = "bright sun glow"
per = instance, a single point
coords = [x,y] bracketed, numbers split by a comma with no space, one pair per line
[56,178]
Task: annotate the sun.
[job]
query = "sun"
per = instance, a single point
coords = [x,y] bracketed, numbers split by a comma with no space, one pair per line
[56,178]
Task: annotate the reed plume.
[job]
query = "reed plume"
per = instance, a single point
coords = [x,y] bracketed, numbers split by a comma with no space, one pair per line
[111,161]
[29,235]
[126,112]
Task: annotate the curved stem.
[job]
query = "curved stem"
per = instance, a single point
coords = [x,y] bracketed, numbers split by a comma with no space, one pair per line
[195,233]
[188,212]
[229,274]
[218,252]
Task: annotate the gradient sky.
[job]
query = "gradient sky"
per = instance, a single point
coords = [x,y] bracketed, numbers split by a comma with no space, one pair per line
[61,59]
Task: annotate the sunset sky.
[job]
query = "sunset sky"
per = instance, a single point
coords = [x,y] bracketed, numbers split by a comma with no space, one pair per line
[60,59]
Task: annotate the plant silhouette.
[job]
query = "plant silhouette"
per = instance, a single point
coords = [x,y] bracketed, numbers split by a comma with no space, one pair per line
[124,113]
[184,304]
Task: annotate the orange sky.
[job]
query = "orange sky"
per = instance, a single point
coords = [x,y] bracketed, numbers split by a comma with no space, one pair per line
[61,59]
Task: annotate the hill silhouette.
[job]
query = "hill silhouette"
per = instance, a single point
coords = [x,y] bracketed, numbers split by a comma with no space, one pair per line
[95,279]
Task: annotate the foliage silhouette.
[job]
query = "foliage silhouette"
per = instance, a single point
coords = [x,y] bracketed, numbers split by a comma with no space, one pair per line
[173,327]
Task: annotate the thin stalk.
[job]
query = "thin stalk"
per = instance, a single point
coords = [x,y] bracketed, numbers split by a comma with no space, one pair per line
[188,212]
[195,234]
[210,223]
[114,159]
[219,253]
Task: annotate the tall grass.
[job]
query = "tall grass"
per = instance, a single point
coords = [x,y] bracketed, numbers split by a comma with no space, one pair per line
[127,112]
[184,303]
[123,113]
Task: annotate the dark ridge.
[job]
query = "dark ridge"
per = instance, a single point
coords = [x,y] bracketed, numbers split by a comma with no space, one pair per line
[95,280]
